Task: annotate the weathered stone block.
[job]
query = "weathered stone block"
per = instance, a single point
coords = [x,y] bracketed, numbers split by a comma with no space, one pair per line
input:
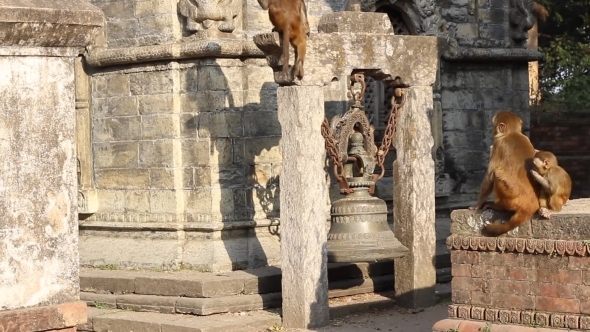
[121,33]
[258,151]
[258,124]
[111,200]
[151,83]
[116,106]
[231,176]
[137,201]
[161,153]
[155,7]
[203,101]
[120,10]
[197,152]
[155,104]
[116,85]
[122,178]
[159,28]
[162,178]
[116,155]
[165,201]
[198,200]
[160,126]
[116,129]
[220,124]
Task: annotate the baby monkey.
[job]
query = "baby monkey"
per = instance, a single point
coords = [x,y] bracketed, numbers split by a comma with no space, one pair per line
[554,180]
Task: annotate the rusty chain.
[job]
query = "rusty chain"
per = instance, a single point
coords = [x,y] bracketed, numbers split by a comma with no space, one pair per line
[398,100]
[333,152]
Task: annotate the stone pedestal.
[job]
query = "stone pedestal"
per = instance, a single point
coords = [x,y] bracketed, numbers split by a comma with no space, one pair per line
[303,207]
[38,204]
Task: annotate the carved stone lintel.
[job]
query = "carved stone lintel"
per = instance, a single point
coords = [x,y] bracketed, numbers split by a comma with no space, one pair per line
[206,14]
[495,54]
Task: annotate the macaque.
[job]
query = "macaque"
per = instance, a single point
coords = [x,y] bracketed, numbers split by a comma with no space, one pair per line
[555,182]
[507,175]
[540,12]
[289,18]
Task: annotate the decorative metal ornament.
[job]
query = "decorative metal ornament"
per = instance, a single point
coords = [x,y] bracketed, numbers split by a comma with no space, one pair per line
[359,231]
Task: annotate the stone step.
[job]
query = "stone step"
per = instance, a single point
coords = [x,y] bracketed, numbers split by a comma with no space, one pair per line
[113,320]
[188,283]
[213,305]
[103,320]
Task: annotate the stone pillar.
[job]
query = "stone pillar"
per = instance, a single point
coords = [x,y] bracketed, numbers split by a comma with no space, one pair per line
[414,209]
[303,207]
[38,188]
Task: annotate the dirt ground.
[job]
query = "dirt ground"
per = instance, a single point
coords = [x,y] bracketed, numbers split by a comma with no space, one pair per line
[395,319]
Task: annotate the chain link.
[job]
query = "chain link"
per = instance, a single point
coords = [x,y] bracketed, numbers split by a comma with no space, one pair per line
[333,152]
[398,100]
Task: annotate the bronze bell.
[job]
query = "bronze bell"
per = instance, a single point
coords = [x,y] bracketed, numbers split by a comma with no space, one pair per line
[358,230]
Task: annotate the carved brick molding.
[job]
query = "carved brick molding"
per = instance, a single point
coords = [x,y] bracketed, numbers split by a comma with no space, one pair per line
[520,317]
[519,245]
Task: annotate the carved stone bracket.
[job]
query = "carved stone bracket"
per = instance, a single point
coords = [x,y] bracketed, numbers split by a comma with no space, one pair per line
[203,15]
[519,245]
[520,317]
[521,20]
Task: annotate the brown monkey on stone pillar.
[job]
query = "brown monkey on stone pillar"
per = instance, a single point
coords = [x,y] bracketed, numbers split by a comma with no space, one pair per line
[289,18]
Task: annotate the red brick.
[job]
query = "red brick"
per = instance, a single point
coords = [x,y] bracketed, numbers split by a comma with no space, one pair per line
[582,292]
[482,271]
[557,305]
[513,301]
[464,257]
[461,270]
[585,307]
[510,287]
[566,291]
[560,276]
[481,298]
[578,263]
[461,296]
[461,283]
[519,273]
[551,262]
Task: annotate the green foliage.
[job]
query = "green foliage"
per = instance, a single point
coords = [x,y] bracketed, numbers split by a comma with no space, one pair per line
[564,38]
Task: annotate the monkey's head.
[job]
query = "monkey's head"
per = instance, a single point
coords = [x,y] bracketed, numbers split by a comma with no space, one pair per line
[543,161]
[506,122]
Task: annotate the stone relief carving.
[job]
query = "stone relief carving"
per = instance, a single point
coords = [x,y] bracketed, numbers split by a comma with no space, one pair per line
[521,20]
[206,14]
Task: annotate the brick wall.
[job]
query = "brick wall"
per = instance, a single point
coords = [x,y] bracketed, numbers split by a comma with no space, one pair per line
[521,288]
[567,135]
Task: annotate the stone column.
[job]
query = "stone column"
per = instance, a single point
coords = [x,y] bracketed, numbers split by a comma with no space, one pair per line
[414,209]
[303,207]
[38,188]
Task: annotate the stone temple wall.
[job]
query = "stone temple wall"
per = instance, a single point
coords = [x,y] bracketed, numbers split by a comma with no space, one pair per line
[178,131]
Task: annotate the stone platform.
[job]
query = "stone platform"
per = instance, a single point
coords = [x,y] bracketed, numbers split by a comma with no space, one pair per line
[534,276]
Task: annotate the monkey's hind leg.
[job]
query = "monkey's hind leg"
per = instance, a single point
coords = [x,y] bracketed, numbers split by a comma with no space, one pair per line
[285,57]
[543,208]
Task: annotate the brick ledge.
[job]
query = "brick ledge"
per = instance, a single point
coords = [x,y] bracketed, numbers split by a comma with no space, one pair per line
[460,325]
[519,245]
[520,317]
[46,318]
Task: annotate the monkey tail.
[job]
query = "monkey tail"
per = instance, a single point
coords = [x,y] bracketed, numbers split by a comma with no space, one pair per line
[517,219]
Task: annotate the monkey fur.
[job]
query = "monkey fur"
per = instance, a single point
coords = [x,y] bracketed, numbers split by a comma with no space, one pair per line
[507,175]
[555,182]
[289,18]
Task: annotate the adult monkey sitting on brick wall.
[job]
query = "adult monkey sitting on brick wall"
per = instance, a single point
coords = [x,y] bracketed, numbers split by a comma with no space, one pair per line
[289,18]
[508,175]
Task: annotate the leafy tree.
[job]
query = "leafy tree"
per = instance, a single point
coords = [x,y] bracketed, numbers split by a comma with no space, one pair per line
[564,38]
